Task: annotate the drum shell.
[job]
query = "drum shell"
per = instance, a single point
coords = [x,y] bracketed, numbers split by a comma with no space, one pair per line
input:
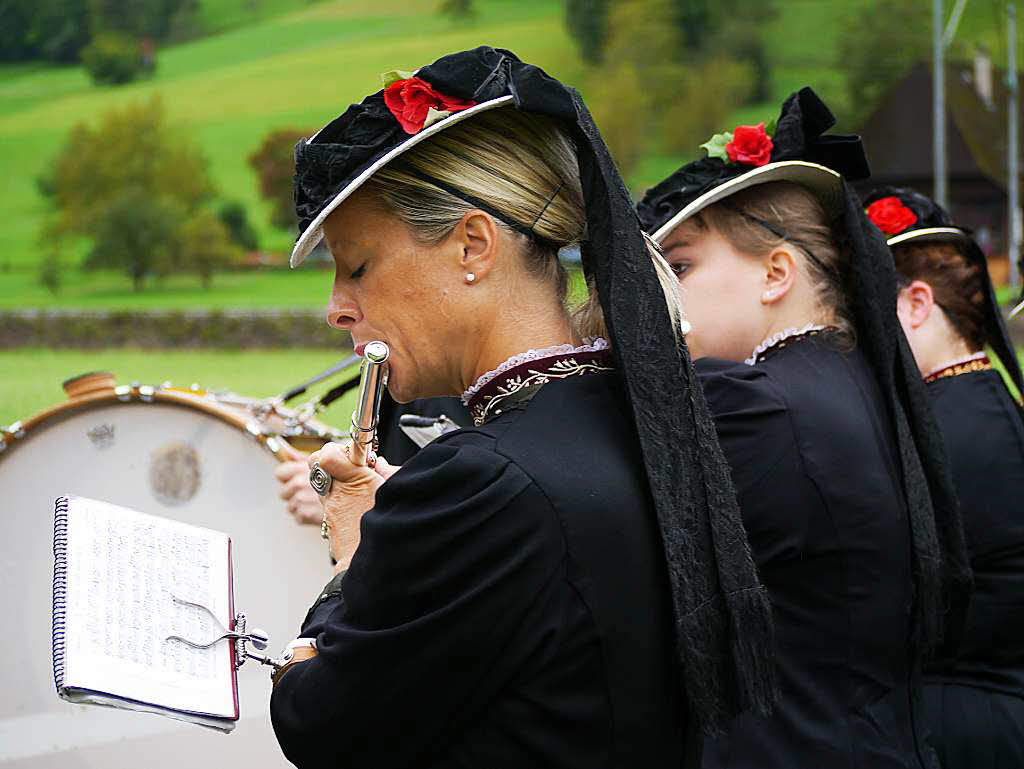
[180,457]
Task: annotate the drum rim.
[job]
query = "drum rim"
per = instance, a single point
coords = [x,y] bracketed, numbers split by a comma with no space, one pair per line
[146,395]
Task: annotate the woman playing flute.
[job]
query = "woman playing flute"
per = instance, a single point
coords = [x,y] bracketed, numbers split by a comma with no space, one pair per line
[567,583]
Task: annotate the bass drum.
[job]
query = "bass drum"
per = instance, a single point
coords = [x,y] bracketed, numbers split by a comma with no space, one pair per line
[174,454]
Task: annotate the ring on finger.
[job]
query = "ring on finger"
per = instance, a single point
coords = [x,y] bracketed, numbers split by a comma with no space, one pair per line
[320,480]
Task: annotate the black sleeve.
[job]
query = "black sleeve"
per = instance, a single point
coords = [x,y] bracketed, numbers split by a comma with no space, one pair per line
[458,547]
[756,435]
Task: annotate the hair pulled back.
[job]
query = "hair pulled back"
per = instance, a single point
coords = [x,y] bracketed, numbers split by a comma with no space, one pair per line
[958,285]
[521,164]
[794,211]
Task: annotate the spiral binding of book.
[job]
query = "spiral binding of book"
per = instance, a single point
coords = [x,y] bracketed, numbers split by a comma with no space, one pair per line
[60,585]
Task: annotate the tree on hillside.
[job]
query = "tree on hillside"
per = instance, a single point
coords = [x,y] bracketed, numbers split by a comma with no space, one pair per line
[274,164]
[132,147]
[702,28]
[235,219]
[59,30]
[137,235]
[206,247]
[458,10]
[113,58]
[649,96]
[587,21]
[883,39]
[130,186]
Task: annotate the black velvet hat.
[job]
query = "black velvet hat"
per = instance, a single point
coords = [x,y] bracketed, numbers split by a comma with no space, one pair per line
[722,614]
[798,151]
[794,148]
[907,216]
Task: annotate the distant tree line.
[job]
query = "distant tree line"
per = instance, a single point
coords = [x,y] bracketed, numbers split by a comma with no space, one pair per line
[115,40]
[59,30]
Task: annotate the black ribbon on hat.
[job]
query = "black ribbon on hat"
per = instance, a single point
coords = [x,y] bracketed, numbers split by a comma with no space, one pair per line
[722,613]
[942,572]
[930,214]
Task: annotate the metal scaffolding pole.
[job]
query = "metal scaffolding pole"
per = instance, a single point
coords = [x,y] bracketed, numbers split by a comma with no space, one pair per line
[938,107]
[1012,146]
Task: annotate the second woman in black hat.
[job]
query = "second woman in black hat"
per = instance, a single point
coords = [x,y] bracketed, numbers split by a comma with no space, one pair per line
[947,306]
[790,295]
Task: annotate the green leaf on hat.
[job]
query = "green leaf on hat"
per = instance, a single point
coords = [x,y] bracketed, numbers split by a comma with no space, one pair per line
[716,146]
[393,76]
[771,125]
[433,115]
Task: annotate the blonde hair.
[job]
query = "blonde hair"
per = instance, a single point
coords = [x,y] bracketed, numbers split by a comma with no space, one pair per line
[521,165]
[795,212]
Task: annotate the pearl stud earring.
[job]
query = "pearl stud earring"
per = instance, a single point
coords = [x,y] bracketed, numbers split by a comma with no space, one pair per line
[470,277]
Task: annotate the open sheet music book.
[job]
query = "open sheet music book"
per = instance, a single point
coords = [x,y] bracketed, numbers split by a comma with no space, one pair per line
[124,581]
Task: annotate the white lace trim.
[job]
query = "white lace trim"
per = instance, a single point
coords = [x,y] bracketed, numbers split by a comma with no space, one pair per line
[957,362]
[593,345]
[781,336]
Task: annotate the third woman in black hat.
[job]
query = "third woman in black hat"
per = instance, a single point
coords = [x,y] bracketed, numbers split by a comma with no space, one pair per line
[947,307]
[790,293]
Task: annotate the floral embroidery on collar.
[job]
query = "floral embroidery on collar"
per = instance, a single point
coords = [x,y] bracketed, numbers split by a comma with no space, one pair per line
[975,362]
[527,371]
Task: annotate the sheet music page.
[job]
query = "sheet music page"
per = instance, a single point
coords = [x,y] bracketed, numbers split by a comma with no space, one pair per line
[129,578]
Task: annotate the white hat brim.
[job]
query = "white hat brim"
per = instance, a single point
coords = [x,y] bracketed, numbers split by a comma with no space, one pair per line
[313,234]
[826,184]
[929,234]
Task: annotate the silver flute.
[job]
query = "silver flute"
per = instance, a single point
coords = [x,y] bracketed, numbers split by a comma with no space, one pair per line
[373,375]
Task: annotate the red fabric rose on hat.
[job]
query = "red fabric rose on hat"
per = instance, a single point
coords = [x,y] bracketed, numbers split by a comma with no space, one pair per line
[890,215]
[413,99]
[751,145]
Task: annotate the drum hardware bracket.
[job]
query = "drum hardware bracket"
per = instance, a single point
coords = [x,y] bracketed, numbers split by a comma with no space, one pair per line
[13,432]
[259,639]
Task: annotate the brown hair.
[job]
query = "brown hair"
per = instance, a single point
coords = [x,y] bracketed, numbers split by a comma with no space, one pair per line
[958,285]
[760,218]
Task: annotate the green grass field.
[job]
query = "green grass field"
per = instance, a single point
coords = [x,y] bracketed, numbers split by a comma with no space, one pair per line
[306,288]
[30,379]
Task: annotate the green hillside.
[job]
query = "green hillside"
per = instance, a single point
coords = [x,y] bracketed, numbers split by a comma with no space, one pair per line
[230,89]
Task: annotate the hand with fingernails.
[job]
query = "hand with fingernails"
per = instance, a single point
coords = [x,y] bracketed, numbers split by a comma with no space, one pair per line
[302,502]
[352,492]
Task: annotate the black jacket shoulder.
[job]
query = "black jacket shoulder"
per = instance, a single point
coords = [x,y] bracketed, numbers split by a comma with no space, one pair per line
[983,431]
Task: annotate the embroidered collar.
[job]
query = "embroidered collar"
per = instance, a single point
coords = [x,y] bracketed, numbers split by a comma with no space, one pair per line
[975,362]
[517,379]
[782,338]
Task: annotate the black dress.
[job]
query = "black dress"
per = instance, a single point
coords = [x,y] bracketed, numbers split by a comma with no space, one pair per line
[976,699]
[508,606]
[814,460]
[397,447]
